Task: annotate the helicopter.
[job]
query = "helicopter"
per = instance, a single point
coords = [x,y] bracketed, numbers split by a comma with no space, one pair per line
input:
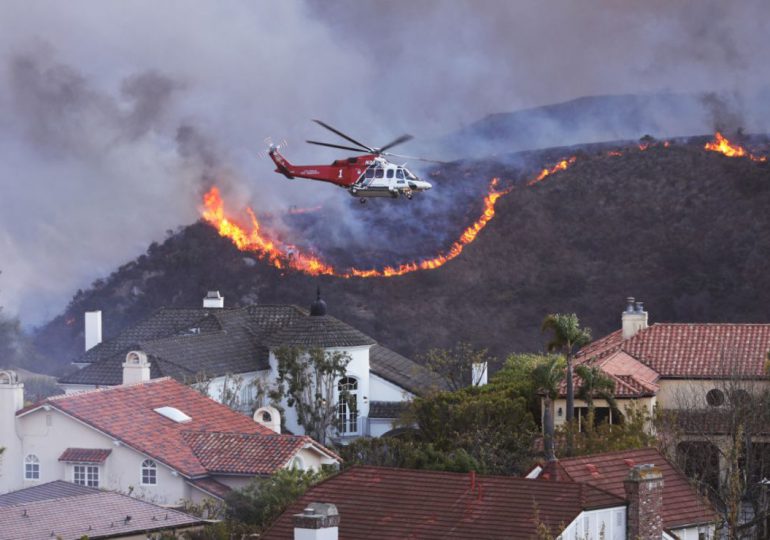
[369,175]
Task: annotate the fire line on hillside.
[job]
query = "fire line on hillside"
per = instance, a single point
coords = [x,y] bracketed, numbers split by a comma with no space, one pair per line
[253,238]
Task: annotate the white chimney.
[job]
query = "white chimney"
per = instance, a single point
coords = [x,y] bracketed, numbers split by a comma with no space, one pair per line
[93,329]
[11,400]
[479,371]
[634,318]
[268,417]
[319,521]
[136,368]
[214,300]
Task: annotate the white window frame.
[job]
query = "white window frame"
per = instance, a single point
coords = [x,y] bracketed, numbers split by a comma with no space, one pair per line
[90,474]
[148,465]
[31,467]
[346,420]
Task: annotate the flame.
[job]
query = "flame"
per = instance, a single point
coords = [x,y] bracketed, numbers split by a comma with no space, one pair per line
[560,166]
[282,256]
[722,145]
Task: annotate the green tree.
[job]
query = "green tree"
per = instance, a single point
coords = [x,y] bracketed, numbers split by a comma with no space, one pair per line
[456,365]
[547,377]
[406,453]
[307,381]
[567,338]
[594,384]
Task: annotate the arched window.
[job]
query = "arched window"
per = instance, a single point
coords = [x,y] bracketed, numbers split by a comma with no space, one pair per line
[149,473]
[297,463]
[31,467]
[347,408]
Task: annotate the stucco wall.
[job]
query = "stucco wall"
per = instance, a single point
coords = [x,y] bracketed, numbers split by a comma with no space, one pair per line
[691,393]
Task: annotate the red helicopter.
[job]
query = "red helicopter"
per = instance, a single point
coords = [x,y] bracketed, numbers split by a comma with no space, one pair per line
[369,175]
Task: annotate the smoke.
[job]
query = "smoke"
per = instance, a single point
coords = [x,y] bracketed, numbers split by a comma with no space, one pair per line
[114,117]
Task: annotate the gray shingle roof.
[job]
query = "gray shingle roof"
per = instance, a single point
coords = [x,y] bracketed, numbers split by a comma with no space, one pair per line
[386,409]
[51,490]
[318,331]
[91,512]
[403,372]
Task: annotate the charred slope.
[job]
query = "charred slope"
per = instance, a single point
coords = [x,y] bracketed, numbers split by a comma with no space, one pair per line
[686,231]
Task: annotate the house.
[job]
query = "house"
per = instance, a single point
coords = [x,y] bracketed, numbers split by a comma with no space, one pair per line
[702,377]
[235,349]
[69,511]
[377,502]
[156,439]
[685,514]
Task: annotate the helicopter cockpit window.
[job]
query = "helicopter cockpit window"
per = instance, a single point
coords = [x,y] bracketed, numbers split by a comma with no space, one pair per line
[409,175]
[390,173]
[400,173]
[379,173]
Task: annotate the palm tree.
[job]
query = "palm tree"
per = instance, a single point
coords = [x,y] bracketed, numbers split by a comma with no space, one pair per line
[568,338]
[547,375]
[596,384]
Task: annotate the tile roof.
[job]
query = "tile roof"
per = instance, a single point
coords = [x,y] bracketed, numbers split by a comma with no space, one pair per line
[682,505]
[85,455]
[632,378]
[693,351]
[402,371]
[403,503]
[127,414]
[237,453]
[83,512]
[318,331]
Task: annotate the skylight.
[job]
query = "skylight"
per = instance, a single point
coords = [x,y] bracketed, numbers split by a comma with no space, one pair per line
[172,413]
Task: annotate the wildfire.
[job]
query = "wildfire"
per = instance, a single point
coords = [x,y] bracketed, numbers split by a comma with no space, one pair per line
[280,255]
[722,145]
[562,165]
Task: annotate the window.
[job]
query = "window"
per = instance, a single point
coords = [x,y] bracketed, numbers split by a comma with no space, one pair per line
[297,463]
[400,174]
[390,173]
[86,475]
[31,467]
[715,397]
[149,473]
[370,172]
[740,398]
[379,173]
[347,409]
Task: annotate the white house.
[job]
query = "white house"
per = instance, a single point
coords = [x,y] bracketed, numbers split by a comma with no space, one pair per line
[156,439]
[235,349]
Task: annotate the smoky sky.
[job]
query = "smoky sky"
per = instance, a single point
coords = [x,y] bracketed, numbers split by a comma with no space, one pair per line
[116,116]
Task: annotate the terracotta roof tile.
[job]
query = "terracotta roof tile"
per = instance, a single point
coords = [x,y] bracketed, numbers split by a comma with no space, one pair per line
[682,505]
[127,414]
[85,455]
[403,503]
[237,453]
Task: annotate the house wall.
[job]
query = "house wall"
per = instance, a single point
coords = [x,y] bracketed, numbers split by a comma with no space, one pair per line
[693,533]
[623,404]
[48,433]
[383,390]
[691,393]
[602,524]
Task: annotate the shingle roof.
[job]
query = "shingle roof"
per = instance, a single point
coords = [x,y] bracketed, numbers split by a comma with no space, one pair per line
[318,331]
[83,512]
[85,455]
[403,503]
[682,505]
[403,372]
[386,409]
[127,414]
[51,490]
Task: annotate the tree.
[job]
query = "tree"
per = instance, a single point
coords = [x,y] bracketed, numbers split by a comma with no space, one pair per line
[307,381]
[594,384]
[406,453]
[457,365]
[547,377]
[568,338]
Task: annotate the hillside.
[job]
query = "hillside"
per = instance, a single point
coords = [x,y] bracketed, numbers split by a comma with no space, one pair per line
[685,230]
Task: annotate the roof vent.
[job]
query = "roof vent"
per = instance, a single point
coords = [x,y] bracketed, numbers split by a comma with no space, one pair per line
[172,413]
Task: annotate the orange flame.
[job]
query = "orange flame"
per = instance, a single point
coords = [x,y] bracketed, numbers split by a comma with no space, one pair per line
[284,256]
[722,145]
[562,165]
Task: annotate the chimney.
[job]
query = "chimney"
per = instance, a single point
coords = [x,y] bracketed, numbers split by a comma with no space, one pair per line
[268,417]
[213,300]
[136,368]
[634,318]
[319,521]
[11,400]
[644,494]
[479,373]
[93,329]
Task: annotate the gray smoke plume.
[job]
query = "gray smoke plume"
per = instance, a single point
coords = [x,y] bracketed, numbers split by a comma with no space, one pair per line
[116,116]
